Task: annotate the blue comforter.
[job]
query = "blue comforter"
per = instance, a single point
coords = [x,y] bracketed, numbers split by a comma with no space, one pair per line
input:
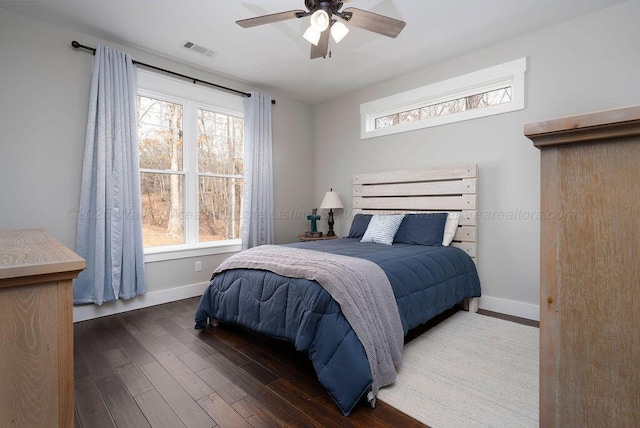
[426,281]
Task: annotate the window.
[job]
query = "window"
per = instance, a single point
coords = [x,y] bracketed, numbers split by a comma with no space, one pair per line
[486,92]
[220,166]
[191,167]
[483,99]
[161,171]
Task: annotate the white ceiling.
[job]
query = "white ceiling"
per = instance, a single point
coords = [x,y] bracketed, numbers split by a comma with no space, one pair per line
[276,55]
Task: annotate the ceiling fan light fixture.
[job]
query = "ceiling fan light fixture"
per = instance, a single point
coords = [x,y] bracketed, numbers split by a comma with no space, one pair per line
[320,20]
[338,31]
[312,35]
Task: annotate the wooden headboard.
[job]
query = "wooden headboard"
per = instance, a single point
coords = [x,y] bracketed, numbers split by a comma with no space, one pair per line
[450,189]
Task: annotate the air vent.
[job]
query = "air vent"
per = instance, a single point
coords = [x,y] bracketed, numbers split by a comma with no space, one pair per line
[198,48]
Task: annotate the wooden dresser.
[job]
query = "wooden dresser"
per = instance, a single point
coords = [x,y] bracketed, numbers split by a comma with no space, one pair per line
[36,329]
[590,269]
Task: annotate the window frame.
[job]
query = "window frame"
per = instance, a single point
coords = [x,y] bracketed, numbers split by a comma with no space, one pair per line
[192,98]
[507,74]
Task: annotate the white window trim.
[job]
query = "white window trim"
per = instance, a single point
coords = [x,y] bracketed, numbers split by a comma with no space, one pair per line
[507,74]
[191,97]
[185,251]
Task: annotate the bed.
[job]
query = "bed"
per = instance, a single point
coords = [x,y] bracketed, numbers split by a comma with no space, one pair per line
[277,291]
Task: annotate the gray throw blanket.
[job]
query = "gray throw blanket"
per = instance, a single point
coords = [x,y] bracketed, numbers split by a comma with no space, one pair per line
[360,287]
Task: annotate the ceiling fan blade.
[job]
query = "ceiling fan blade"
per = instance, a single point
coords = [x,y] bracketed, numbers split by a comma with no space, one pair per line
[320,51]
[370,21]
[269,19]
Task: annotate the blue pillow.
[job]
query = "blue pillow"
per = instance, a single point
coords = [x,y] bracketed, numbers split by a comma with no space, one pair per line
[421,229]
[359,225]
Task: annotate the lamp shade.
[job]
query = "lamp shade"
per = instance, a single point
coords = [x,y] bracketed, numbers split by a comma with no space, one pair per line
[331,200]
[320,20]
[312,36]
[338,31]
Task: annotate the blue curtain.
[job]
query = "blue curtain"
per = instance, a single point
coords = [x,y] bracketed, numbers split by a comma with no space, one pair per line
[257,219]
[109,222]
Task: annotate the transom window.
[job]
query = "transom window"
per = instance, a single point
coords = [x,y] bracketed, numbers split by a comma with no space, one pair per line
[483,99]
[494,90]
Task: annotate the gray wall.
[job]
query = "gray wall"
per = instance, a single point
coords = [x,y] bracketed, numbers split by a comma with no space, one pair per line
[585,65]
[44,93]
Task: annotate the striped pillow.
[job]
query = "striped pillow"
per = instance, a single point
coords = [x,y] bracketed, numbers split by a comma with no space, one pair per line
[382,229]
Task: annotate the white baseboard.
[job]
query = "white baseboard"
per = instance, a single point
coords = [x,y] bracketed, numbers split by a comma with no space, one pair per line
[510,307]
[86,312]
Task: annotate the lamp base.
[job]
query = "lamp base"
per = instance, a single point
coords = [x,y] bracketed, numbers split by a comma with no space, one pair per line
[331,232]
[313,234]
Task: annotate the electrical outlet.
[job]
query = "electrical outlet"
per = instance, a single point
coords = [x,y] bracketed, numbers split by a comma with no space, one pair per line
[198,266]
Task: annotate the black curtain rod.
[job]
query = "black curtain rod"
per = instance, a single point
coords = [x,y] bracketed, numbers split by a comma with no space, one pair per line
[77,45]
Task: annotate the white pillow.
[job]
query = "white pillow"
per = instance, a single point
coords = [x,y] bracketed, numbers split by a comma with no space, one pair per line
[450,228]
[382,229]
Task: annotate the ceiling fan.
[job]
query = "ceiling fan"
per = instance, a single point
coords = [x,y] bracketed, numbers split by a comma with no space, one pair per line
[324,23]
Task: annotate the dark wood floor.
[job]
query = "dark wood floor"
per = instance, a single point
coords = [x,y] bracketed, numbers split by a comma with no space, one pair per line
[151,368]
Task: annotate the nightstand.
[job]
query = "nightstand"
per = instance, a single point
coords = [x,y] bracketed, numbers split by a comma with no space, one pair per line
[322,238]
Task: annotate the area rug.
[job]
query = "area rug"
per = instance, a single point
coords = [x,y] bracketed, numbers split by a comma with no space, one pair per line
[469,371]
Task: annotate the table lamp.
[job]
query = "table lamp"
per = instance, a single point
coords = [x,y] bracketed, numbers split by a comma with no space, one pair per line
[330,202]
